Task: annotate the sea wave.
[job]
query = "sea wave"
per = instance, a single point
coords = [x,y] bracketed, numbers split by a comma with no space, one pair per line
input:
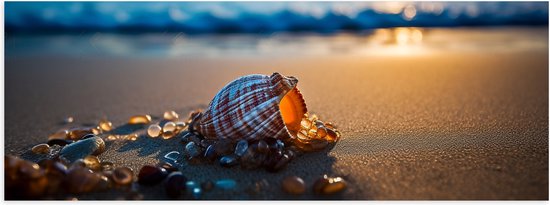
[265,17]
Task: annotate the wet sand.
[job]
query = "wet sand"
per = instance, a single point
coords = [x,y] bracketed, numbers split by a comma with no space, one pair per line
[455,125]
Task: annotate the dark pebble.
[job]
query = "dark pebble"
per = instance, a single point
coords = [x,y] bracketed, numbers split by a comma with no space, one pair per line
[241,147]
[168,167]
[151,175]
[210,153]
[175,184]
[294,185]
[123,176]
[229,161]
[262,147]
[224,147]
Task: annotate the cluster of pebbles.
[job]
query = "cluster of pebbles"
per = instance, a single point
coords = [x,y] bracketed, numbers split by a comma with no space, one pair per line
[72,166]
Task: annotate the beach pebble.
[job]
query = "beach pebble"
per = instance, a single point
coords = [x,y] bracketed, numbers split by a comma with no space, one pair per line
[168,134]
[168,167]
[64,134]
[180,126]
[78,133]
[192,149]
[154,130]
[41,149]
[151,175]
[53,167]
[123,176]
[226,184]
[81,180]
[294,185]
[229,161]
[139,119]
[83,148]
[252,159]
[106,166]
[175,184]
[241,147]
[210,153]
[92,162]
[329,185]
[169,127]
[105,125]
[263,147]
[171,115]
[60,142]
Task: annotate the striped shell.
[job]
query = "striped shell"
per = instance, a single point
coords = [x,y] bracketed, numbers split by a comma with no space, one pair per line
[253,107]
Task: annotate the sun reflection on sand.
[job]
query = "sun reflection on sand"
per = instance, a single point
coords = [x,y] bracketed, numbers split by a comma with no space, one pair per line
[397,41]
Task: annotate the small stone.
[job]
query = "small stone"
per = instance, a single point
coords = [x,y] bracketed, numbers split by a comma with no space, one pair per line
[68,120]
[168,134]
[229,161]
[81,180]
[329,185]
[64,134]
[139,119]
[210,153]
[171,115]
[252,159]
[241,147]
[53,167]
[226,184]
[175,184]
[131,137]
[151,175]
[96,130]
[263,147]
[294,185]
[306,124]
[60,142]
[123,176]
[41,149]
[154,130]
[78,133]
[192,149]
[169,127]
[106,166]
[180,126]
[103,184]
[83,148]
[92,162]
[105,125]
[77,164]
[321,132]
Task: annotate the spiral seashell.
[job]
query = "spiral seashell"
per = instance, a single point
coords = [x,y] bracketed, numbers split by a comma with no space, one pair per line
[253,107]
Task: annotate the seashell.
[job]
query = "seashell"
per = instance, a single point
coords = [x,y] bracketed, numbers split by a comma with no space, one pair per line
[253,107]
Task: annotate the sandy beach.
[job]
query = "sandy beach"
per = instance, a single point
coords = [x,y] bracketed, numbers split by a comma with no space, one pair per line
[446,125]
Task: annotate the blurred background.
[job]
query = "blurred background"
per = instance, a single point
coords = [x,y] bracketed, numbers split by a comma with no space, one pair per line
[168,29]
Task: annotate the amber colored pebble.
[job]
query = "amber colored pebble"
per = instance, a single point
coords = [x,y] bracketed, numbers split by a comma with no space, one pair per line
[132,137]
[335,185]
[92,162]
[154,130]
[321,132]
[169,127]
[139,119]
[78,133]
[123,175]
[81,180]
[331,136]
[306,124]
[105,125]
[64,134]
[106,166]
[171,115]
[41,149]
[168,134]
[294,185]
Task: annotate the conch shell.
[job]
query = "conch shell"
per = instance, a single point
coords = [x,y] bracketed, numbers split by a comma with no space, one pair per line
[253,107]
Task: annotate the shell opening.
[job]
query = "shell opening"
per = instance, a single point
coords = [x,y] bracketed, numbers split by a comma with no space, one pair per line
[292,108]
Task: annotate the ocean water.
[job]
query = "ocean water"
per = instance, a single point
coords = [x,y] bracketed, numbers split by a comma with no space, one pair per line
[402,41]
[263,17]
